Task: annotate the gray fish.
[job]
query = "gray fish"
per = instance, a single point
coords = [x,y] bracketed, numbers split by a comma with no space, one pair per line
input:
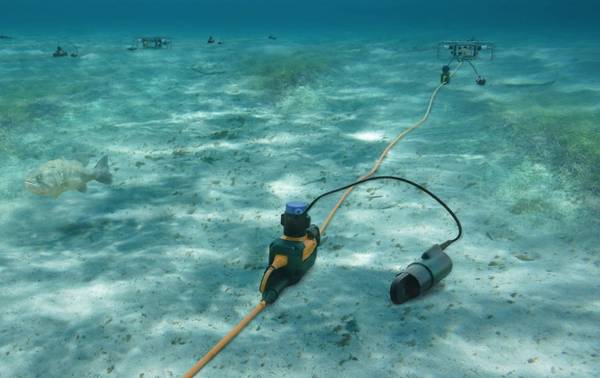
[58,176]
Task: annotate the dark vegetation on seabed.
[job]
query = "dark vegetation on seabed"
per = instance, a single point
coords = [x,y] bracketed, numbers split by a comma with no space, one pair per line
[561,135]
[22,110]
[278,73]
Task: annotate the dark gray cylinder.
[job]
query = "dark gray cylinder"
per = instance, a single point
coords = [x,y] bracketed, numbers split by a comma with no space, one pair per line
[420,276]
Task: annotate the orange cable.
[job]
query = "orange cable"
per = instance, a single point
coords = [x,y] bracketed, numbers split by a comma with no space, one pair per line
[225,340]
[384,154]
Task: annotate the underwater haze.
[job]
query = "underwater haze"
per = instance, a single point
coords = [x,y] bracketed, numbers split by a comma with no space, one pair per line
[141,187]
[308,17]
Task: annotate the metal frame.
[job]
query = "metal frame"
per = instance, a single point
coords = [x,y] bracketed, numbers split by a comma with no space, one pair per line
[466,50]
[151,43]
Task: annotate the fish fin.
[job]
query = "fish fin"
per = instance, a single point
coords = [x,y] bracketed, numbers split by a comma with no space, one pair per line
[101,173]
[102,163]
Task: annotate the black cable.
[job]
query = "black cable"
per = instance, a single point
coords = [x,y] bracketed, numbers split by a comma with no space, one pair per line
[474,69]
[420,187]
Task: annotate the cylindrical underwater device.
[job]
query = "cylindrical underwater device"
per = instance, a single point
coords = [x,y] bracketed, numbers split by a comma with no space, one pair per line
[421,276]
[445,77]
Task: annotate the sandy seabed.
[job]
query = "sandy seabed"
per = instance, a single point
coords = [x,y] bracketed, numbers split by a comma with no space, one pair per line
[207,143]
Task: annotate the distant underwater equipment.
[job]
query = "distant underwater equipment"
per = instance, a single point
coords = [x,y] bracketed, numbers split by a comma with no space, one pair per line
[211,41]
[59,52]
[445,78]
[75,52]
[292,255]
[466,51]
[150,43]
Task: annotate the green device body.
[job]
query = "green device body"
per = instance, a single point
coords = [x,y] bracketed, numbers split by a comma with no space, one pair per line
[291,255]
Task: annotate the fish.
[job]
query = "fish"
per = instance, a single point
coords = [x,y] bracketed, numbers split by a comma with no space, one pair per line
[58,176]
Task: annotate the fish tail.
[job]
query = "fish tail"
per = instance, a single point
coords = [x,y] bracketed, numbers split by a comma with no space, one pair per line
[101,172]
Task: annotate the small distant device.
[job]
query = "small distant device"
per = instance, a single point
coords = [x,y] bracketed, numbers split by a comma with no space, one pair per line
[465,50]
[150,43]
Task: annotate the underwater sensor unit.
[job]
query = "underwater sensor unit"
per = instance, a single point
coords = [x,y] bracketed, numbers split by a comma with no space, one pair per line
[464,51]
[421,276]
[294,253]
[150,43]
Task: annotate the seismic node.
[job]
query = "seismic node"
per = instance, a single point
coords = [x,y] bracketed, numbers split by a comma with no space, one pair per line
[153,43]
[464,51]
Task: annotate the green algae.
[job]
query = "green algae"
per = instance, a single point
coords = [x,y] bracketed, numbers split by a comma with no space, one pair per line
[565,138]
[277,74]
[529,206]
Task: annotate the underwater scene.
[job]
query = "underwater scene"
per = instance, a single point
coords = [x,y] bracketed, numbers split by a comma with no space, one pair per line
[299,189]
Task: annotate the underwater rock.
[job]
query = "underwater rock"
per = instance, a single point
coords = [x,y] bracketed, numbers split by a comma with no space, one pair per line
[351,325]
[345,330]
[178,340]
[345,340]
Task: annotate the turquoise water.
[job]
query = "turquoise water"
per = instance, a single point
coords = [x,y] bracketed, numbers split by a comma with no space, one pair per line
[206,143]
